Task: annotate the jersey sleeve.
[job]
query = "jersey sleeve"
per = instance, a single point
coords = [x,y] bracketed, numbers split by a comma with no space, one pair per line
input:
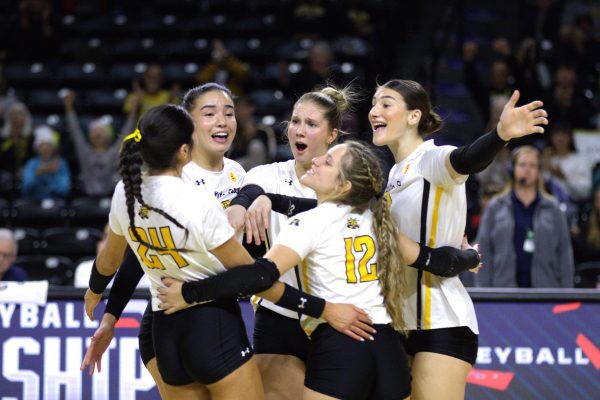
[261,175]
[432,166]
[213,225]
[116,205]
[300,234]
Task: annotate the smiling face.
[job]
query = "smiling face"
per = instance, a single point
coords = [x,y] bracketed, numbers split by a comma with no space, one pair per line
[214,116]
[390,118]
[309,133]
[324,175]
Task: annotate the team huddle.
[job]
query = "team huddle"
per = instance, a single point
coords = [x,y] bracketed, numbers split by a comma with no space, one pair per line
[357,294]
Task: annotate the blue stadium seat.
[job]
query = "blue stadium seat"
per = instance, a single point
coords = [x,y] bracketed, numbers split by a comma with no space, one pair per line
[39,213]
[74,243]
[270,101]
[46,99]
[57,270]
[587,274]
[28,240]
[89,211]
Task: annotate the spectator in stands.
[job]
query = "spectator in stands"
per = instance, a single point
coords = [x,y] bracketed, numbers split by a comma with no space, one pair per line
[225,69]
[499,89]
[540,19]
[587,240]
[84,268]
[98,158]
[15,139]
[567,101]
[310,19]
[8,254]
[523,237]
[320,71]
[580,45]
[569,169]
[253,141]
[150,90]
[47,174]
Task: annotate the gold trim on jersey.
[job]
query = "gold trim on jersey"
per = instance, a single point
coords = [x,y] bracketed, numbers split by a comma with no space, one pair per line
[431,243]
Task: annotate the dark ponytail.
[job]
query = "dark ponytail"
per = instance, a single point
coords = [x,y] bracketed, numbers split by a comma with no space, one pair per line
[416,98]
[162,131]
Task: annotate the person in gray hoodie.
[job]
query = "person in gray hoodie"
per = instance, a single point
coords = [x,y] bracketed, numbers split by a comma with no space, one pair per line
[524,237]
[97,157]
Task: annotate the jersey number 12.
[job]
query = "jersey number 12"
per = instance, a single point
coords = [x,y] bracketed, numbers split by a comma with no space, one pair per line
[363,248]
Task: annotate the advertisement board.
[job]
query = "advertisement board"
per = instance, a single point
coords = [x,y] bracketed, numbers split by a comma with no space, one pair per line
[528,350]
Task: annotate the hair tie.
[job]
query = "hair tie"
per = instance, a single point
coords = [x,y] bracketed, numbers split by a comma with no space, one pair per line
[135,135]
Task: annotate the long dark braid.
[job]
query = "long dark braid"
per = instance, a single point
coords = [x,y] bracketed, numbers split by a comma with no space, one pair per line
[163,130]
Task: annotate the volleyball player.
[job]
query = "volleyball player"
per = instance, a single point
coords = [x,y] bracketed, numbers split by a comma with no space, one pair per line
[280,345]
[426,186]
[203,221]
[350,251]
[212,107]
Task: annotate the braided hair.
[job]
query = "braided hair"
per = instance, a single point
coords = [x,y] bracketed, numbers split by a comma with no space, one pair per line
[360,166]
[164,129]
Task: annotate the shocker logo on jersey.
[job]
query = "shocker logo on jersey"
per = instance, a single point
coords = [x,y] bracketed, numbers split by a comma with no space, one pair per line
[406,168]
[352,223]
[232,177]
[143,213]
[225,203]
[295,222]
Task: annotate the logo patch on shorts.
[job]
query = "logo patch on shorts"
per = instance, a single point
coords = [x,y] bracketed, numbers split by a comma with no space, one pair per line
[245,352]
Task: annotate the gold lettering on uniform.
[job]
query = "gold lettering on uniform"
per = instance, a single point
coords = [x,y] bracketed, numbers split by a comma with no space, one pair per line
[151,261]
[163,239]
[367,271]
[167,238]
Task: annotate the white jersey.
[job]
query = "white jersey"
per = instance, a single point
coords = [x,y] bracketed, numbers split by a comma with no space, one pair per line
[443,302]
[203,217]
[339,258]
[279,178]
[224,185]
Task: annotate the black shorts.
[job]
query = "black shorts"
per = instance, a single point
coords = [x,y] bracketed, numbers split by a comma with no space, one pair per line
[145,336]
[347,369]
[277,334]
[204,343]
[459,342]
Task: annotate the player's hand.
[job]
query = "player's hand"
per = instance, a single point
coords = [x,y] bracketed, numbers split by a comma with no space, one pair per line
[349,320]
[91,301]
[235,216]
[466,246]
[100,342]
[171,299]
[516,122]
[257,220]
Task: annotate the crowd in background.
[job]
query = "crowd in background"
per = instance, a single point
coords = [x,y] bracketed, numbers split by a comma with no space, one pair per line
[555,57]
